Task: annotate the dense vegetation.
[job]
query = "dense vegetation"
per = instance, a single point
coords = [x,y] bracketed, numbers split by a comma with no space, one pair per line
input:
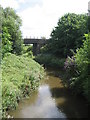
[77,69]
[67,35]
[11,37]
[70,40]
[83,62]
[20,73]
[0,91]
[50,60]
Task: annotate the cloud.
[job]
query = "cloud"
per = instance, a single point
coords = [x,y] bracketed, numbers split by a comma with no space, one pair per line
[40,20]
[9,3]
[39,17]
[21,1]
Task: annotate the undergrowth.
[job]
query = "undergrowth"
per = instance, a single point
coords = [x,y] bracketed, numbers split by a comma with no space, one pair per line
[20,76]
[50,60]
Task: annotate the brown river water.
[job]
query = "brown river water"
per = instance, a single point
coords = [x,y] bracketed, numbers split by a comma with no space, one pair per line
[51,100]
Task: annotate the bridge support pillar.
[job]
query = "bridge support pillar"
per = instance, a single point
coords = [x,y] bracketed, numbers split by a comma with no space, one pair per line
[36,48]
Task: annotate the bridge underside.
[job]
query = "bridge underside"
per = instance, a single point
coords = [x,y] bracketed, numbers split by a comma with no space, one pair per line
[36,48]
[37,44]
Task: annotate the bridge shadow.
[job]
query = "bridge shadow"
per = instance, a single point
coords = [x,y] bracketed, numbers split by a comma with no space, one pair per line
[72,106]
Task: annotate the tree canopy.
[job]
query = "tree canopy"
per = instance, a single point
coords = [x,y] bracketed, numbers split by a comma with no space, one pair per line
[68,34]
[12,22]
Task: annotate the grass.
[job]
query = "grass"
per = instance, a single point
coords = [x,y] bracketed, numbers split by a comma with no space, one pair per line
[20,75]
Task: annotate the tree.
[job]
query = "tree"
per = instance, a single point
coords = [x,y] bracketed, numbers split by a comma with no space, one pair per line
[6,43]
[1,11]
[13,22]
[83,62]
[89,23]
[68,34]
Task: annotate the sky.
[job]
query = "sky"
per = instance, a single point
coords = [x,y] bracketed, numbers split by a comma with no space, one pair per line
[39,17]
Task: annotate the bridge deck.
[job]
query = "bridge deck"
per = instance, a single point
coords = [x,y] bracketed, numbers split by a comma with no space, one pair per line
[32,41]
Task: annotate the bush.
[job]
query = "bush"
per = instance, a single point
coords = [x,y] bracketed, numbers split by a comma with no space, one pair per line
[20,75]
[77,69]
[27,51]
[83,63]
[50,60]
[6,43]
[10,94]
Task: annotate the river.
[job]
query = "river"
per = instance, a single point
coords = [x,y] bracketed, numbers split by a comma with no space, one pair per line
[51,100]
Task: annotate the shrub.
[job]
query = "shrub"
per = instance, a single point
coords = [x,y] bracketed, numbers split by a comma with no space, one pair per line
[6,43]
[71,70]
[20,75]
[27,51]
[83,62]
[77,69]
[50,60]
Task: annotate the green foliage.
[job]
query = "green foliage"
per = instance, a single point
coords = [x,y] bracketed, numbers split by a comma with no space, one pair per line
[89,23]
[83,63]
[50,60]
[12,22]
[44,49]
[27,51]
[1,11]
[71,67]
[83,54]
[6,43]
[20,75]
[68,34]
[77,69]
[10,95]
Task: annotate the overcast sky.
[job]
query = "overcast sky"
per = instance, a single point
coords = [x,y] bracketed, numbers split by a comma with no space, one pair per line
[39,17]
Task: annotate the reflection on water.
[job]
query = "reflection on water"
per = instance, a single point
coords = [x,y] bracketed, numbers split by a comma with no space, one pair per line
[51,100]
[47,104]
[43,107]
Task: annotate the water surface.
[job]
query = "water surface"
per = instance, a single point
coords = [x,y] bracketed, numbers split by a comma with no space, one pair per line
[51,100]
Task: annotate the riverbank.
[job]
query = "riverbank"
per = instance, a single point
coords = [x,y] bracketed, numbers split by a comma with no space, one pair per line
[51,100]
[50,60]
[20,76]
[77,83]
